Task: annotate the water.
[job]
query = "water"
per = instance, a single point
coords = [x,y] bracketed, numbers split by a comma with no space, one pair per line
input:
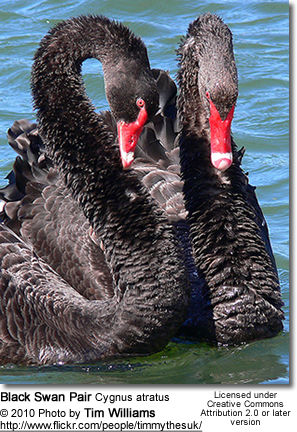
[260,31]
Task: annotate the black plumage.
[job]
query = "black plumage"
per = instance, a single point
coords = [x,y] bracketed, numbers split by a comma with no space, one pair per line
[129,293]
[235,295]
[235,288]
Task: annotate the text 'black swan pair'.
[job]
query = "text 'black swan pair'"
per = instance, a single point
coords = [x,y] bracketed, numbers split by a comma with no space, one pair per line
[123,229]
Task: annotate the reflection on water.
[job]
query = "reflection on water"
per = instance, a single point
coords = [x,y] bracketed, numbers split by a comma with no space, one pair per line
[179,363]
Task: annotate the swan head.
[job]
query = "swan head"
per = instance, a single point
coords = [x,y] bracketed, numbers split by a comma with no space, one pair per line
[134,99]
[129,132]
[209,75]
[218,87]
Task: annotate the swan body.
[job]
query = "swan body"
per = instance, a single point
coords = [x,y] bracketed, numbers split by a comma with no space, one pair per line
[124,298]
[223,235]
[235,289]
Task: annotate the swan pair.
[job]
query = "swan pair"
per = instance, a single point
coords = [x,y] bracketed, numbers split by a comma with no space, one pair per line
[100,261]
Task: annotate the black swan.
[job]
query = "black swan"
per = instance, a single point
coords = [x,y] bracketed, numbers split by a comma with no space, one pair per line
[130,293]
[235,288]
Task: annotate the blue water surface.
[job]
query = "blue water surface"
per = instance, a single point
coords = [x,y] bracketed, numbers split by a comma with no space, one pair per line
[261,43]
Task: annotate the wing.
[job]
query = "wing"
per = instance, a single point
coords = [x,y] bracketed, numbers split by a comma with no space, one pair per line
[157,153]
[42,318]
[43,213]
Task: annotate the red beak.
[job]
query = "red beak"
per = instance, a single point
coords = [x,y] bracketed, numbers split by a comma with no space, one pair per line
[220,138]
[128,134]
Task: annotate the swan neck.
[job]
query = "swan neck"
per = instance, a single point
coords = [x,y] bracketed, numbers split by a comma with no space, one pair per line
[133,232]
[57,86]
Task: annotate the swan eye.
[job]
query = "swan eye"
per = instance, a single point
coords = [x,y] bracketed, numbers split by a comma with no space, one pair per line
[140,103]
[207,95]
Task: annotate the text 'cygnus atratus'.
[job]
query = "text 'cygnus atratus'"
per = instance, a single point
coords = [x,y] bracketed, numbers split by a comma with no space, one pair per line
[129,293]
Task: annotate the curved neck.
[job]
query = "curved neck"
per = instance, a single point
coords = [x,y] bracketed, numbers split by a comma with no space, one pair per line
[82,143]
[134,234]
[59,94]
